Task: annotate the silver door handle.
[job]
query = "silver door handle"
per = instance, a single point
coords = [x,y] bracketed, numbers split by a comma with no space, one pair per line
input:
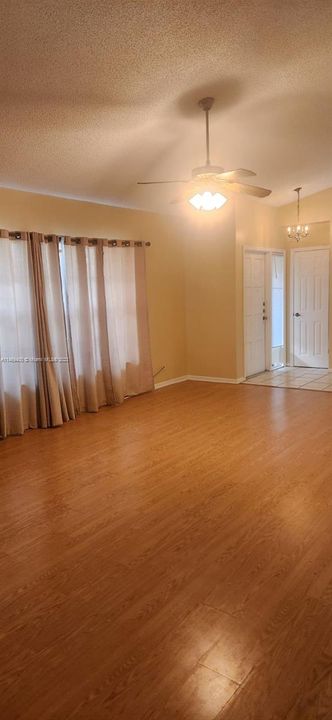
[296,314]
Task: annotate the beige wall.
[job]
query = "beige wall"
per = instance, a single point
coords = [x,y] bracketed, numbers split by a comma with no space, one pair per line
[194,267]
[210,293]
[194,271]
[190,273]
[315,208]
[165,260]
[214,283]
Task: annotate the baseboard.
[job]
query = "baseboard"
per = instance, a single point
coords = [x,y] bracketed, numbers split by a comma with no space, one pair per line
[208,378]
[199,378]
[172,381]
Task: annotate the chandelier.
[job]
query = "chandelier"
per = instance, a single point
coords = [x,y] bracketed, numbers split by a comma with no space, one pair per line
[298,232]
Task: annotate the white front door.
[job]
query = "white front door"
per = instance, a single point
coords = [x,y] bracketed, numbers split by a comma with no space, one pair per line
[310,308]
[254,304]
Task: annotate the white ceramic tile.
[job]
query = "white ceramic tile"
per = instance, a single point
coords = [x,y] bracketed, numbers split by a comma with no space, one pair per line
[275,383]
[314,386]
[319,380]
[301,382]
[295,378]
[290,385]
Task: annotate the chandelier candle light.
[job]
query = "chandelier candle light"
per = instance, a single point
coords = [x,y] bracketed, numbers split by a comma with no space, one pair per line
[298,232]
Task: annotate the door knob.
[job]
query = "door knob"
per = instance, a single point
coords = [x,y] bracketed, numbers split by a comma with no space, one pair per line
[296,314]
[264,317]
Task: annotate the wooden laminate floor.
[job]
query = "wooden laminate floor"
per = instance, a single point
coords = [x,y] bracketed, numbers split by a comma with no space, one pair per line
[170,559]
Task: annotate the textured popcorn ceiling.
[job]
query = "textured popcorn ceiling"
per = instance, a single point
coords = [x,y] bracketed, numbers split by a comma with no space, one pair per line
[97,95]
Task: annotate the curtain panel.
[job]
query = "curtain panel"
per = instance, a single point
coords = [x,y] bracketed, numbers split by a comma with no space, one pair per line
[74,332]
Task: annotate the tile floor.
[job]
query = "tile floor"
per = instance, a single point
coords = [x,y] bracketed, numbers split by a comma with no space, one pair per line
[295,377]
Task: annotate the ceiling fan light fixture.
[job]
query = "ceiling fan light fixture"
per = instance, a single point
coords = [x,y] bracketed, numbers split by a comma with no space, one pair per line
[213,176]
[208,201]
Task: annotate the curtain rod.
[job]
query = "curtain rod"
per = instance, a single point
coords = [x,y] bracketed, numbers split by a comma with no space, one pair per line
[17,235]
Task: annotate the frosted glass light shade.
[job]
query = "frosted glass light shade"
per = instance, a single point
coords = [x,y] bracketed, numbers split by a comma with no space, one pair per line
[208,201]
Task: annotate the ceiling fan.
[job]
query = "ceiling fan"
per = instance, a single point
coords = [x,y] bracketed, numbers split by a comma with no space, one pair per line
[207,180]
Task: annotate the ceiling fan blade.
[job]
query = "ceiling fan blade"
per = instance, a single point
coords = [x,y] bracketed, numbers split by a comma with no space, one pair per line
[231,175]
[161,182]
[244,188]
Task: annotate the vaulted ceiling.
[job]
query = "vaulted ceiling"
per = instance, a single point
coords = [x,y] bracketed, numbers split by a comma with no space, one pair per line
[97,95]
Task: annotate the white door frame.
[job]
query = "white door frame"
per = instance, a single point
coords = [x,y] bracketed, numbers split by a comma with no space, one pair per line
[291,298]
[267,252]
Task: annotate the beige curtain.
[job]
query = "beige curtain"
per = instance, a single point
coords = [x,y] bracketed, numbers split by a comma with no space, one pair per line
[106,311]
[18,377]
[73,328]
[35,382]
[127,319]
[82,278]
[55,399]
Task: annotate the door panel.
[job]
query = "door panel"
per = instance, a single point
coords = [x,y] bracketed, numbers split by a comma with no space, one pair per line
[254,291]
[310,300]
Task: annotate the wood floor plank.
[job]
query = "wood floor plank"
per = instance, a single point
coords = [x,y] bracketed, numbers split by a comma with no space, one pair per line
[235,652]
[315,701]
[291,641]
[171,673]
[170,559]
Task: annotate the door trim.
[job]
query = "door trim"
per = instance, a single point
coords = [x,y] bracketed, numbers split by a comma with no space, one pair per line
[291,300]
[267,252]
